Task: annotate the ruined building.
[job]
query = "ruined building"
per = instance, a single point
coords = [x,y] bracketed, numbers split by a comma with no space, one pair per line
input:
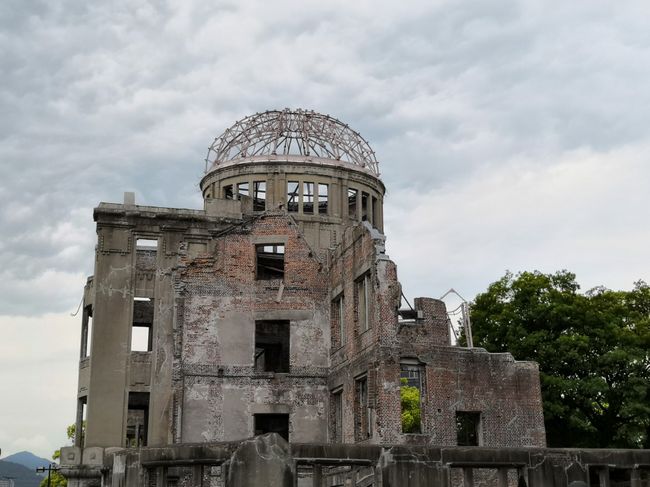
[276,309]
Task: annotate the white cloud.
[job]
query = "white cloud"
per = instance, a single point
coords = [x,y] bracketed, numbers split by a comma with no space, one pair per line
[579,212]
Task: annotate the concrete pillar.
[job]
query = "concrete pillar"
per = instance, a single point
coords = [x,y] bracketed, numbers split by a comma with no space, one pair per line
[378,481]
[317,476]
[112,319]
[163,342]
[197,476]
[262,461]
[603,477]
[468,477]
[502,477]
[161,476]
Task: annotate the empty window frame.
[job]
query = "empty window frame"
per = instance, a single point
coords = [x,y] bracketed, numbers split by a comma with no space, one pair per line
[86,331]
[142,329]
[375,213]
[337,415]
[242,189]
[146,244]
[361,413]
[270,261]
[364,206]
[468,428]
[307,197]
[323,199]
[338,321]
[137,421]
[272,423]
[80,424]
[293,196]
[259,195]
[352,203]
[362,297]
[411,397]
[228,192]
[272,346]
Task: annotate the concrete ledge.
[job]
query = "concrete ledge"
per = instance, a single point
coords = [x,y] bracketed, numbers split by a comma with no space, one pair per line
[70,455]
[93,455]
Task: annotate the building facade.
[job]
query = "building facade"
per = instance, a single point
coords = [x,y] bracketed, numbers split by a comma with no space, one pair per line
[276,309]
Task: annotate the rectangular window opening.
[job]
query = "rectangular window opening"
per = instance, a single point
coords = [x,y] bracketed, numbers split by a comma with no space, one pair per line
[323,196]
[338,321]
[228,192]
[259,195]
[364,206]
[272,343]
[86,331]
[80,424]
[352,203]
[337,416]
[146,244]
[270,261]
[411,398]
[468,428]
[620,477]
[142,325]
[375,213]
[308,197]
[242,189]
[293,196]
[361,413]
[272,423]
[137,422]
[362,303]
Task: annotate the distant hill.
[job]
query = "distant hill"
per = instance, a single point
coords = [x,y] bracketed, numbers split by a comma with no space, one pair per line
[22,476]
[27,459]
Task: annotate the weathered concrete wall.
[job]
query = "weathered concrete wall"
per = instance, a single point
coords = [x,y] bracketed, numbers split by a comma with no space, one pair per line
[123,272]
[110,337]
[269,461]
[221,301]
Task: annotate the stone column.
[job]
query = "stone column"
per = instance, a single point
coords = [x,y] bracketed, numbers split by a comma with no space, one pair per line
[263,461]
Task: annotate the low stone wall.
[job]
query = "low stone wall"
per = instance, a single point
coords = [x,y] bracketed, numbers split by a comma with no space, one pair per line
[269,461]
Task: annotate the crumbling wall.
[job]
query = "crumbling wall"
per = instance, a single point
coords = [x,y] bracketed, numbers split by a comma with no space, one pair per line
[505,392]
[218,386]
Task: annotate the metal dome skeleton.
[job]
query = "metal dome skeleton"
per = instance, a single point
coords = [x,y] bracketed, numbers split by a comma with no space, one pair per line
[291,133]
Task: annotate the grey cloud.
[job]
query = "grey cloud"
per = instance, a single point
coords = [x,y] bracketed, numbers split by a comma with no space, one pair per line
[102,98]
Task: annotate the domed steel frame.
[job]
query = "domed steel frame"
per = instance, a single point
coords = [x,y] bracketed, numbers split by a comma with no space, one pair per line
[291,133]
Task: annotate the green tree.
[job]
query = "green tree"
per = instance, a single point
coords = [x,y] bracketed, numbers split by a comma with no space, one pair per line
[410,397]
[56,480]
[593,351]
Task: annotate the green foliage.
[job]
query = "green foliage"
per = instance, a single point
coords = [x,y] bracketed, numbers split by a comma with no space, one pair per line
[56,480]
[593,350]
[410,397]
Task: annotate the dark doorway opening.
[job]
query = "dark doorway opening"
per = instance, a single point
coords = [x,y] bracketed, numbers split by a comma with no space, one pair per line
[272,423]
[272,340]
[137,419]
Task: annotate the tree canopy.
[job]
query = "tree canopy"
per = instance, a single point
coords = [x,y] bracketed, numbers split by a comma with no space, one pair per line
[410,399]
[593,351]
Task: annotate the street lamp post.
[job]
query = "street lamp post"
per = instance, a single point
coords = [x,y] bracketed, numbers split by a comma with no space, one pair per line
[52,467]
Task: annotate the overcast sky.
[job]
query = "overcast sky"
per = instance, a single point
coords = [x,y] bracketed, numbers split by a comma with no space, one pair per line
[510,134]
